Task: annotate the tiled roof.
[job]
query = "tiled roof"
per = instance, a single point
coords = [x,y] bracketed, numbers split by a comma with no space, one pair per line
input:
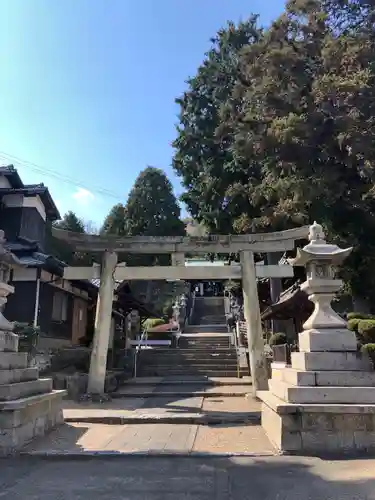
[12,175]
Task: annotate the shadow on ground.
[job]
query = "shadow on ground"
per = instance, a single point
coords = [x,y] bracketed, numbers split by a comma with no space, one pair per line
[180,478]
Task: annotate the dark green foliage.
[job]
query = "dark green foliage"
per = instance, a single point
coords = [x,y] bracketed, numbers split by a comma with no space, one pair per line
[152,208]
[114,223]
[203,149]
[278,339]
[366,330]
[353,324]
[276,129]
[61,249]
[71,222]
[357,315]
[370,350]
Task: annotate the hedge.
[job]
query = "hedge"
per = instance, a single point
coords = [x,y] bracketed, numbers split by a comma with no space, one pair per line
[366,331]
[370,350]
[353,324]
[357,315]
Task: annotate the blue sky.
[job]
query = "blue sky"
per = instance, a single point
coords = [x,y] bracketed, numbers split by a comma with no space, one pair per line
[87,88]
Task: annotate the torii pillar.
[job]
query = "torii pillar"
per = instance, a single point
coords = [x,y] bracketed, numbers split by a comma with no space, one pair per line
[258,366]
[98,364]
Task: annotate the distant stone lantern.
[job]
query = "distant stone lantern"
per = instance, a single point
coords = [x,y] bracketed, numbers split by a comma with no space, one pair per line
[7,262]
[321,260]
[176,311]
[183,300]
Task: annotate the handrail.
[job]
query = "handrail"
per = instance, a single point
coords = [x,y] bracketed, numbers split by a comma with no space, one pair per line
[236,333]
[140,341]
[191,312]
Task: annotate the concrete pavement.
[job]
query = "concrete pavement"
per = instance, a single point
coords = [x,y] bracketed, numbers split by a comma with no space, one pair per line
[164,478]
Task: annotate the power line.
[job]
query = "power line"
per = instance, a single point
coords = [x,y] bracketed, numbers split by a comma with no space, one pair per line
[56,175]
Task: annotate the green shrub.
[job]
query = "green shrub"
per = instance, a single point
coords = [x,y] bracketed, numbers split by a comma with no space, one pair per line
[353,324]
[278,339]
[357,315]
[150,323]
[366,331]
[370,350]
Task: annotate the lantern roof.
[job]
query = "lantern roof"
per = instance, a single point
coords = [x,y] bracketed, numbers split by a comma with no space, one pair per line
[319,250]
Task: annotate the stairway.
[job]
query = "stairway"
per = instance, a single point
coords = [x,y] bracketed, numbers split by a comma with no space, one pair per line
[209,311]
[29,407]
[207,355]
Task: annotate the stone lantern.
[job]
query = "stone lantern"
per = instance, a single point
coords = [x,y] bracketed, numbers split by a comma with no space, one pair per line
[176,311]
[325,400]
[8,340]
[321,260]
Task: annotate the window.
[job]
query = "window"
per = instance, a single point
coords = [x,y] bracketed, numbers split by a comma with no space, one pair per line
[60,306]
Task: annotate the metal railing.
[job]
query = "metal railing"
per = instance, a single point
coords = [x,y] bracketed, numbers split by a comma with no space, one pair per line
[141,340]
[191,312]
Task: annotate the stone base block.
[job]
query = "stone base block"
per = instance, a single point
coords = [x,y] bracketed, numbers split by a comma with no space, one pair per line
[25,419]
[318,429]
[8,341]
[323,378]
[319,395]
[331,361]
[10,360]
[331,340]
[18,375]
[19,390]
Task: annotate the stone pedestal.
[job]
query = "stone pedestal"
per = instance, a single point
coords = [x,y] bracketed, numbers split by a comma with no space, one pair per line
[28,405]
[325,400]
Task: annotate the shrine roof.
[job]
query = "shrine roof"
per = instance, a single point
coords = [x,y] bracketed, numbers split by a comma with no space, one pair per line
[292,302]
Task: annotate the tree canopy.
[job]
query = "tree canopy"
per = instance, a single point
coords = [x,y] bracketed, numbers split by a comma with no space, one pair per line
[152,208]
[71,222]
[277,128]
[61,249]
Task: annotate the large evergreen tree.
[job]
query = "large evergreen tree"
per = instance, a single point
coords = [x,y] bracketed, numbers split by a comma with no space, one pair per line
[152,208]
[296,123]
[203,148]
[114,223]
[61,249]
[71,222]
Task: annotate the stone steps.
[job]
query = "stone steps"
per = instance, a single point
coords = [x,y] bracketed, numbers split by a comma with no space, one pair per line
[28,405]
[183,381]
[204,355]
[18,375]
[21,390]
[195,328]
[11,360]
[158,372]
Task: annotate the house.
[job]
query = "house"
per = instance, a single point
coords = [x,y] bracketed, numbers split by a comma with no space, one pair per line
[63,309]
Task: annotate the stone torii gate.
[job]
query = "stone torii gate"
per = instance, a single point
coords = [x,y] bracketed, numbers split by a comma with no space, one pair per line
[110,270]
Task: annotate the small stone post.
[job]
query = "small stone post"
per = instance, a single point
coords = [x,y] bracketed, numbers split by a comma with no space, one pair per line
[98,363]
[257,357]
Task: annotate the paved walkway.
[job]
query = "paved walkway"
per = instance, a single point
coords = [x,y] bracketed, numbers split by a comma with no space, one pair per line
[164,478]
[168,418]
[76,438]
